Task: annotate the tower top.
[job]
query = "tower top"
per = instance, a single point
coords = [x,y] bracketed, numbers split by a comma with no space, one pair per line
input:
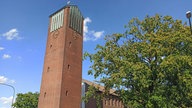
[75,18]
[68,5]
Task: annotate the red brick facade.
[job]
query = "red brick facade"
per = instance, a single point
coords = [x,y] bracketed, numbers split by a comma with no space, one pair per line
[111,101]
[62,71]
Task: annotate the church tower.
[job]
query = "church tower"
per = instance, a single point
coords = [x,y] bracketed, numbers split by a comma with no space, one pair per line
[62,71]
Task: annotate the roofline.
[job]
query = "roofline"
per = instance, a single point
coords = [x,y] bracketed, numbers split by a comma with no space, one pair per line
[66,6]
[101,88]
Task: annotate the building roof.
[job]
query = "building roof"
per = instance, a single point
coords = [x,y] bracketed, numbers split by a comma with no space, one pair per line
[100,87]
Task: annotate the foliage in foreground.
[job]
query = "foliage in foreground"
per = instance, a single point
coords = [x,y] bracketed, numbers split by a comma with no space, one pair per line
[27,100]
[150,65]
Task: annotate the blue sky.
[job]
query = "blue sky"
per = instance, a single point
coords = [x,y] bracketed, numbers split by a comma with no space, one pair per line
[24,26]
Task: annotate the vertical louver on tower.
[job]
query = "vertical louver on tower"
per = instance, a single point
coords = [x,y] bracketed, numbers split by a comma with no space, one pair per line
[57,20]
[76,19]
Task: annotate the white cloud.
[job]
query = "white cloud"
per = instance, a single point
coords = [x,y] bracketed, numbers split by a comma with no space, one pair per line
[6,100]
[6,56]
[97,35]
[85,28]
[3,79]
[90,34]
[12,34]
[1,48]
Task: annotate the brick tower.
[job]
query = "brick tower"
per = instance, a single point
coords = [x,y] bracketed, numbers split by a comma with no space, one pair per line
[62,71]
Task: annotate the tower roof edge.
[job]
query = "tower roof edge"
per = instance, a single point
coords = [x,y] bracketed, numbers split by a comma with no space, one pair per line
[66,6]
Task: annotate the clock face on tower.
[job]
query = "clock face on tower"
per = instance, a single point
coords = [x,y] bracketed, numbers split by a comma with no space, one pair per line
[55,34]
[75,35]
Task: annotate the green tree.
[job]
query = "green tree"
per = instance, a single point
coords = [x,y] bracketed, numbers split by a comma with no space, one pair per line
[150,65]
[27,100]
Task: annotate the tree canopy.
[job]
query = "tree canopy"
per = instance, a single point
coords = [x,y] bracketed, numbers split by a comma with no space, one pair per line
[150,65]
[27,100]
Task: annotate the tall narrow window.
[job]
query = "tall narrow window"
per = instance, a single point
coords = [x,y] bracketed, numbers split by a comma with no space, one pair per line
[66,93]
[48,69]
[70,43]
[51,46]
[45,94]
[68,67]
